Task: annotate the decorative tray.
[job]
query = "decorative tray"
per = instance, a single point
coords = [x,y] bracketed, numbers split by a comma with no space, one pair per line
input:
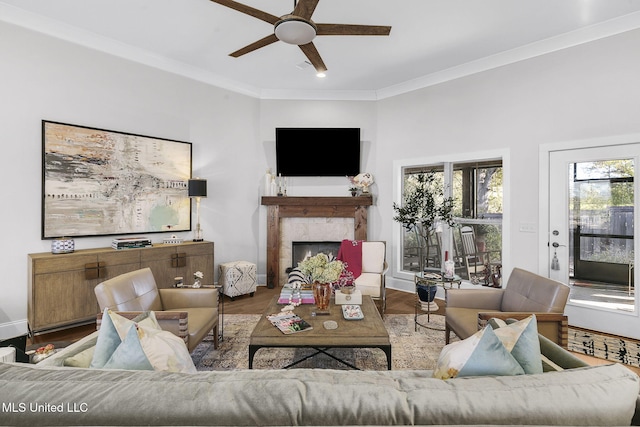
[352,312]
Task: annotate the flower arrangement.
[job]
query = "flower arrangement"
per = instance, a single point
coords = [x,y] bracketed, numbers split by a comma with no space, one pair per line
[320,269]
[363,181]
[346,280]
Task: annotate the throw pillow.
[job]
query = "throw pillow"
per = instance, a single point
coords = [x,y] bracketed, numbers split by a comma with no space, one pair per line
[480,354]
[112,332]
[129,354]
[139,344]
[521,339]
[165,351]
[297,276]
[82,359]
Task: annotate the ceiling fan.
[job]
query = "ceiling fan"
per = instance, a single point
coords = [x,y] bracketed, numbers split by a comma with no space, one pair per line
[298,28]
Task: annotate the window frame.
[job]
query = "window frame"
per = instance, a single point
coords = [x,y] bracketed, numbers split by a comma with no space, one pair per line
[448,160]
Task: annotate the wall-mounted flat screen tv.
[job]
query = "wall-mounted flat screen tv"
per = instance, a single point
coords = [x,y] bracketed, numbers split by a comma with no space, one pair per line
[318,151]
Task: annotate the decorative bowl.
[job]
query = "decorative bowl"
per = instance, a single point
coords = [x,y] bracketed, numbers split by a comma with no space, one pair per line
[348,289]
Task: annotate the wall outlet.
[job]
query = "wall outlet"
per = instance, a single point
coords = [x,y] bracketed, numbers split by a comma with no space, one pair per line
[528,227]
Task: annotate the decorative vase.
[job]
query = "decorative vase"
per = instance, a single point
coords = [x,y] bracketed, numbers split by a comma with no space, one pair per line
[427,293]
[322,295]
[197,284]
[427,296]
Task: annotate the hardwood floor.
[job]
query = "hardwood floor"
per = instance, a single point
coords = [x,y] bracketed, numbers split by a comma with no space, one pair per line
[398,302]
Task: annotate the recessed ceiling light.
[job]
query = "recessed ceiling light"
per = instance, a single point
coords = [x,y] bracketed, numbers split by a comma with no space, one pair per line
[321,75]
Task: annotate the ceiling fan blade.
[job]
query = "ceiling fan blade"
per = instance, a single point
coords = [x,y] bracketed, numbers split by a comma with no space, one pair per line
[352,30]
[314,57]
[271,38]
[305,8]
[256,13]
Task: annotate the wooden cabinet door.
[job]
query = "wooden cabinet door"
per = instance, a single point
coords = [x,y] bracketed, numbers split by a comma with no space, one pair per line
[115,263]
[58,291]
[199,257]
[159,259]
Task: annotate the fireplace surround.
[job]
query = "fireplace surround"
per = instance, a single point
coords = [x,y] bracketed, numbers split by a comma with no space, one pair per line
[319,210]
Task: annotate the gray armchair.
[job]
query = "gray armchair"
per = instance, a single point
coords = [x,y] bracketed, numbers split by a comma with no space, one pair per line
[467,310]
[189,313]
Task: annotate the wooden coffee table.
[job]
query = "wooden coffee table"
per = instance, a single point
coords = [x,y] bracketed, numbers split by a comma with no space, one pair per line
[365,333]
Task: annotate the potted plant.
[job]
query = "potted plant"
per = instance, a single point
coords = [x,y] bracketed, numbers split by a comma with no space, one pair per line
[424,207]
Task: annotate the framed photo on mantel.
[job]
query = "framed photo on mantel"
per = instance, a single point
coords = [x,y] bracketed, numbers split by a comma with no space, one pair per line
[99,182]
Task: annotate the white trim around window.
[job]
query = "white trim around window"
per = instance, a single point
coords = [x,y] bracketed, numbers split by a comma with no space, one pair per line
[399,165]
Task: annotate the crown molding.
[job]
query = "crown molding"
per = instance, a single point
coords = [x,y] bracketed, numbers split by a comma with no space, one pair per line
[563,41]
[319,95]
[78,36]
[41,24]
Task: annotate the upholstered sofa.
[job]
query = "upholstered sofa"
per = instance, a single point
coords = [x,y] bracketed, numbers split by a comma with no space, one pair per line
[44,395]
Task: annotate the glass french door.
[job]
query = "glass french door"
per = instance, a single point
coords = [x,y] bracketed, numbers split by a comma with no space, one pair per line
[592,212]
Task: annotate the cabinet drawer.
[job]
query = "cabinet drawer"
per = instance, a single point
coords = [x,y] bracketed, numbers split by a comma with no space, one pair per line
[124,256]
[196,249]
[157,254]
[62,262]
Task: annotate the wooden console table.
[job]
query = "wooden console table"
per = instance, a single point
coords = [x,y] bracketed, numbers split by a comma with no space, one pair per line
[60,287]
[310,207]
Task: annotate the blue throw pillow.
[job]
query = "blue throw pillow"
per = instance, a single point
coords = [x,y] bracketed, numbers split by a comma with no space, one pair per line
[481,354]
[521,339]
[129,354]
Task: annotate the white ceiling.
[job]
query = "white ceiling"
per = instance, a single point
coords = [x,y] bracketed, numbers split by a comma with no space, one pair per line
[431,40]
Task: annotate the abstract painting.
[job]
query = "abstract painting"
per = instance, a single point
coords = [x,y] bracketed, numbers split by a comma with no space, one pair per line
[101,182]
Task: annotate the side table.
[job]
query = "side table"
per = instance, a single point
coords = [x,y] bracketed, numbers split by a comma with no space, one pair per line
[220,289]
[431,280]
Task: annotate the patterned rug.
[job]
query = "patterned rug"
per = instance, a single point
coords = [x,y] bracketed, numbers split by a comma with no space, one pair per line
[410,349]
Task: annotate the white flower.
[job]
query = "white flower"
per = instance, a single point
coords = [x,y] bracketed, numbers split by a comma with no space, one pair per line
[320,269]
[198,275]
[363,179]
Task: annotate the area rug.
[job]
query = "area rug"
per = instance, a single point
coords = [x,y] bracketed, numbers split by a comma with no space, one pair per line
[410,349]
[604,346]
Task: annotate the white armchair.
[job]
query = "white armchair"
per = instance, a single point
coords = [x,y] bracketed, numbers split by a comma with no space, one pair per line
[374,267]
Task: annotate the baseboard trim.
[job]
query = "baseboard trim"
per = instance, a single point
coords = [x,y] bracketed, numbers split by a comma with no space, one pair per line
[13,329]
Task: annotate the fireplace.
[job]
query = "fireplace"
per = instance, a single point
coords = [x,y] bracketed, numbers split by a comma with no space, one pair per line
[301,250]
[292,219]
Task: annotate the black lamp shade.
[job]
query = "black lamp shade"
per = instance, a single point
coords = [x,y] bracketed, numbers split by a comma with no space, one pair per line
[197,187]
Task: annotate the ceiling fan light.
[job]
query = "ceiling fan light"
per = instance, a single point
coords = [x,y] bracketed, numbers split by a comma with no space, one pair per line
[295,31]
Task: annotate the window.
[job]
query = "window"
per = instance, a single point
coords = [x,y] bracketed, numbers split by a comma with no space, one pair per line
[475,242]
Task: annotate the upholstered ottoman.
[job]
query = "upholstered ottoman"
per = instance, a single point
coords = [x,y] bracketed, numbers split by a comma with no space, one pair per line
[238,278]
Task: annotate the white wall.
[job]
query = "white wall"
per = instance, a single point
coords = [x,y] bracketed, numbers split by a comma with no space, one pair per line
[587,91]
[45,78]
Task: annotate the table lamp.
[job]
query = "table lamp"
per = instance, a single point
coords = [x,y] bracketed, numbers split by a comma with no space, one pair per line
[198,189]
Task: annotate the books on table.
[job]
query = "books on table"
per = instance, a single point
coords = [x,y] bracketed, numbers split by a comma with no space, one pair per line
[130,243]
[305,294]
[289,323]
